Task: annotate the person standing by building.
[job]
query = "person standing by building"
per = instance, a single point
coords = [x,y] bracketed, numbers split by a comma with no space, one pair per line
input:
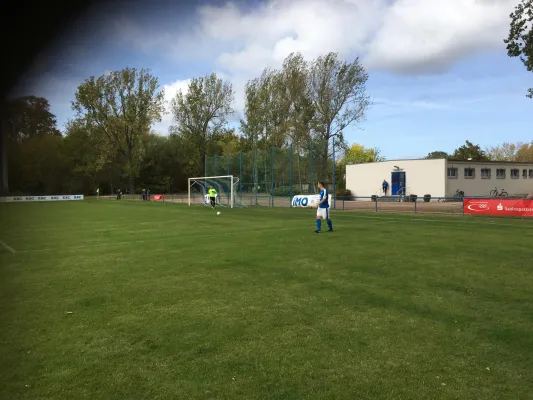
[385,186]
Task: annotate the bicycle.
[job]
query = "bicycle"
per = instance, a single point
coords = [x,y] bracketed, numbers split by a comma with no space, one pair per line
[494,193]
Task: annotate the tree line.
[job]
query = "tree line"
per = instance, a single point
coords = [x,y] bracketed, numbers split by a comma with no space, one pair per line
[511,152]
[110,144]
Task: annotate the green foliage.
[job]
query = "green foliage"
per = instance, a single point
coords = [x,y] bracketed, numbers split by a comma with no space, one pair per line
[118,109]
[437,155]
[469,151]
[29,116]
[427,198]
[520,39]
[522,152]
[200,115]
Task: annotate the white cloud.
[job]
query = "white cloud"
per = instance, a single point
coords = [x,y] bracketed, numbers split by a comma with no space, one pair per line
[401,36]
[171,90]
[430,36]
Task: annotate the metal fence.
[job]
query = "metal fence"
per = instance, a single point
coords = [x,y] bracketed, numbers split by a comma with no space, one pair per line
[428,205]
[278,172]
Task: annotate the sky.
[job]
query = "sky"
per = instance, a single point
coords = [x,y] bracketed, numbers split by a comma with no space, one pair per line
[439,73]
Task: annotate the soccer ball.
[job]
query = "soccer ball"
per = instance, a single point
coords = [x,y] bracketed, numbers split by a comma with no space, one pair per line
[218,213]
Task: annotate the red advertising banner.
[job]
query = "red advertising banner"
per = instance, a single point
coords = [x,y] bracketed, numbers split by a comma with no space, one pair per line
[499,207]
[158,197]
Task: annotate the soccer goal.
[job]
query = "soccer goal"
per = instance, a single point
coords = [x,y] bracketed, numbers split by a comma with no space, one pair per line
[227,187]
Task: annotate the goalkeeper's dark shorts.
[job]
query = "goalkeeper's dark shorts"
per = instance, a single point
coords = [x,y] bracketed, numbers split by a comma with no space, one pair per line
[212,199]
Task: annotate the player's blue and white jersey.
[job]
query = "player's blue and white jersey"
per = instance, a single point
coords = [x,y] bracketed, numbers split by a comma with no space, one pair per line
[324,195]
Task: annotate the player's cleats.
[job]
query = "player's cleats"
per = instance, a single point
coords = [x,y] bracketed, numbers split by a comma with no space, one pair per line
[330,230]
[317,231]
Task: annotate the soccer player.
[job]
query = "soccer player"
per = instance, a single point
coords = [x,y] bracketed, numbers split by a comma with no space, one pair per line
[212,196]
[322,211]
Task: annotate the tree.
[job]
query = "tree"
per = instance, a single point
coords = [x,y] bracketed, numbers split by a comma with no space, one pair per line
[120,107]
[338,92]
[357,154]
[435,155]
[298,102]
[37,165]
[26,118]
[504,152]
[201,114]
[519,152]
[520,40]
[469,151]
[525,153]
[265,122]
[30,116]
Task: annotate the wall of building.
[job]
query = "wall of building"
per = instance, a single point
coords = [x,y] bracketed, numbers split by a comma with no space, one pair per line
[422,177]
[482,186]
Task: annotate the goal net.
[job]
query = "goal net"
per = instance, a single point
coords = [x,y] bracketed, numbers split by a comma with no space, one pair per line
[227,187]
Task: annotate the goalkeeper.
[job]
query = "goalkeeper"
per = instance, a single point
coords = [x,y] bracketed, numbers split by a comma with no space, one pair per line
[212,196]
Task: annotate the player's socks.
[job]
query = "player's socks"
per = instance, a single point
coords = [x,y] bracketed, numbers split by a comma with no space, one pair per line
[318,225]
[330,225]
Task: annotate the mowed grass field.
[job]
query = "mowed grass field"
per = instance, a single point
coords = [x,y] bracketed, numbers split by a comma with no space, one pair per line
[138,300]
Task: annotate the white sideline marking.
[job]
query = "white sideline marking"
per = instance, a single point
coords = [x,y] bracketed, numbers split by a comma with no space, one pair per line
[7,247]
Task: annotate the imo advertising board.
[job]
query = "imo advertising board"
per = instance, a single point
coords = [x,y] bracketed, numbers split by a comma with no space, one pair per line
[307,200]
[504,208]
[17,199]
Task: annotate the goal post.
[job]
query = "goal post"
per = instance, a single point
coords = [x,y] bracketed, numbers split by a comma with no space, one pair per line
[227,187]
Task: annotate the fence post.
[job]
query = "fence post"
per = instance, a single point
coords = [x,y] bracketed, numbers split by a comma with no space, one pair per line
[240,173]
[415,204]
[310,166]
[377,199]
[333,179]
[230,182]
[272,176]
[290,175]
[255,176]
[463,205]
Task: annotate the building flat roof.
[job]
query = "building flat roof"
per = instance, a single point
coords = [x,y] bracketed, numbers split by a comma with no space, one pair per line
[449,159]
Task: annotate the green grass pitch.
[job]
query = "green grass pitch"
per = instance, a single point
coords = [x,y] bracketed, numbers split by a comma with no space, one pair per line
[137,300]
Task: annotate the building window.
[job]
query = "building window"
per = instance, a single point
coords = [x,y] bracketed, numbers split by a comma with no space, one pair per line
[452,173]
[531,174]
[515,173]
[524,173]
[470,173]
[485,173]
[500,174]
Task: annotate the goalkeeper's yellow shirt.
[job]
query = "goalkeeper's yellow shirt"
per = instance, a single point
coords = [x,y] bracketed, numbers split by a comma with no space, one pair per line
[212,192]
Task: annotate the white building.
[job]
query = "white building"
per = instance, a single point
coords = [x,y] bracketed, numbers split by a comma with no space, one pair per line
[440,178]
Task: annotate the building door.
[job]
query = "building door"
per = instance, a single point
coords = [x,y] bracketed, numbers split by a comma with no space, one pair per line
[398,183]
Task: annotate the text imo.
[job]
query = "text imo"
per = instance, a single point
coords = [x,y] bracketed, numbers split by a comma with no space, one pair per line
[300,202]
